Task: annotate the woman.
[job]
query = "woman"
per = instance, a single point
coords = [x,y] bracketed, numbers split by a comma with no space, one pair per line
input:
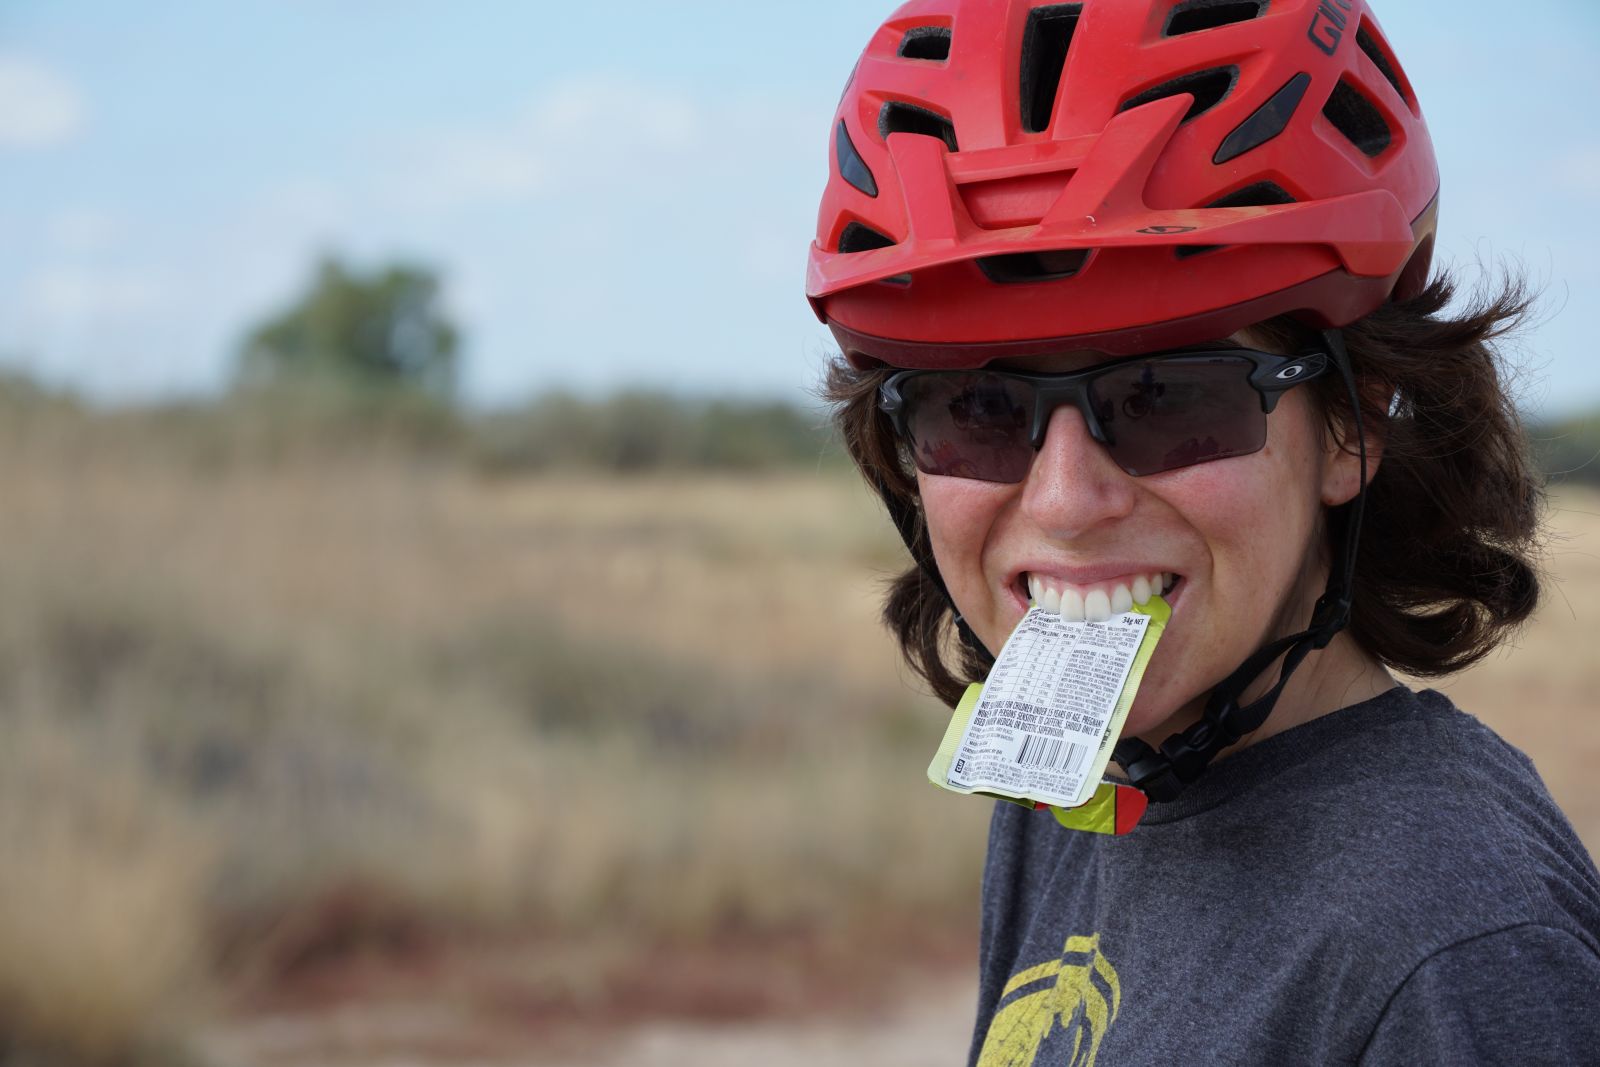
[1133,300]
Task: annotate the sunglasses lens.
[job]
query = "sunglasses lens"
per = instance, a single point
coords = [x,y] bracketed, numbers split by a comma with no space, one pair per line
[1166,414]
[970,425]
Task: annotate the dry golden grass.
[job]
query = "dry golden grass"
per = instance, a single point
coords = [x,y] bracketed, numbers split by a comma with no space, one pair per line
[347,700]
[255,715]
[101,879]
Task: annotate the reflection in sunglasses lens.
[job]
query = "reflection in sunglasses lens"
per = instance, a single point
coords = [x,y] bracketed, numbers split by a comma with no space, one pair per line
[1166,414]
[970,426]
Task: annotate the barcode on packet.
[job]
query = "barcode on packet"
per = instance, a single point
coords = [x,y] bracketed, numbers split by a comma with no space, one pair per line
[1054,753]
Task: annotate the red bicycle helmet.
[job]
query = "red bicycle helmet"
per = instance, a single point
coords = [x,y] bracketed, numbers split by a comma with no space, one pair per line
[1019,176]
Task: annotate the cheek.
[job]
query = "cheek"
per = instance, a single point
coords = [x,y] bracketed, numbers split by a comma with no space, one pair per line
[959,515]
[1251,524]
[1253,514]
[962,515]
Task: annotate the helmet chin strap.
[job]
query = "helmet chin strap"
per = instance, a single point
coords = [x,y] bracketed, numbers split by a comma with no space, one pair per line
[1163,773]
[1182,757]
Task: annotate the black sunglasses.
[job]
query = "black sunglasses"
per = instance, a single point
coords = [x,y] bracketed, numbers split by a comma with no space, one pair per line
[1152,413]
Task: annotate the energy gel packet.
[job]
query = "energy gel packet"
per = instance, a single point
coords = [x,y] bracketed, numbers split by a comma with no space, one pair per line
[1040,729]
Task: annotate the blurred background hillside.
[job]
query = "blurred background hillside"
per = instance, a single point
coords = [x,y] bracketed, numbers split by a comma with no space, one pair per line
[436,624]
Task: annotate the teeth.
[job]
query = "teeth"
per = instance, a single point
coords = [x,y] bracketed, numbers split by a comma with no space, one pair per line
[1051,601]
[1044,595]
[1097,605]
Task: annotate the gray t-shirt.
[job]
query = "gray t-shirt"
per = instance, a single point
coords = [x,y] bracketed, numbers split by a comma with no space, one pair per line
[1388,884]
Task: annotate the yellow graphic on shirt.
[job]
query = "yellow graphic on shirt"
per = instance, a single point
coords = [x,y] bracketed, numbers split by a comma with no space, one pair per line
[1070,1002]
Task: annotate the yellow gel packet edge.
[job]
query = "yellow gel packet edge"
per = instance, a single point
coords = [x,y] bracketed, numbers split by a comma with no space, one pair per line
[1159,611]
[939,769]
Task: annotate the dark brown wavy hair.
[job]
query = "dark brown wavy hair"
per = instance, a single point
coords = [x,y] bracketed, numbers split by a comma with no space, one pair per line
[1448,561]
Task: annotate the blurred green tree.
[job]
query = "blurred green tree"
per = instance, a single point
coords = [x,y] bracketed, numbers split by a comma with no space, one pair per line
[381,332]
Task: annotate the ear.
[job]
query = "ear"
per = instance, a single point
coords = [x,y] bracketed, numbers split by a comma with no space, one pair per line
[1341,456]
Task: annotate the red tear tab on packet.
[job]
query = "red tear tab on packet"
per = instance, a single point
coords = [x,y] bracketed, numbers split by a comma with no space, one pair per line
[1115,809]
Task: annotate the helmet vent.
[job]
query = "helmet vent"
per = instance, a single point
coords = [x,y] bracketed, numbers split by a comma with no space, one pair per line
[1353,115]
[1197,15]
[925,42]
[1266,123]
[1208,87]
[1019,267]
[898,117]
[1045,41]
[852,168]
[1261,194]
[859,238]
[1381,59]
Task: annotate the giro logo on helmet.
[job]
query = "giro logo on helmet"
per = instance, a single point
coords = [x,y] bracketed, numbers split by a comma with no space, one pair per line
[1328,23]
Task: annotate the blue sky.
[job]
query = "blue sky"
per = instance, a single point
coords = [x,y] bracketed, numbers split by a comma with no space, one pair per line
[618,194]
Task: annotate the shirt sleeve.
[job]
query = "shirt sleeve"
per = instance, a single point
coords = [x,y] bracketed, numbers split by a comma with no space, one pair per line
[1526,995]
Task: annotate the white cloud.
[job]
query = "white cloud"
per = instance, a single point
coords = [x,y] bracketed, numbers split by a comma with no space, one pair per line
[83,230]
[66,292]
[38,106]
[601,109]
[1578,170]
[300,205]
[470,168]
[565,138]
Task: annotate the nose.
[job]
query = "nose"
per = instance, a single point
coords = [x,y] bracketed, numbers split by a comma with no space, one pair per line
[1074,485]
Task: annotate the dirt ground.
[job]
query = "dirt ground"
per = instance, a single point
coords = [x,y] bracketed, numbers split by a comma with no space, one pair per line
[928,1022]
[929,1026]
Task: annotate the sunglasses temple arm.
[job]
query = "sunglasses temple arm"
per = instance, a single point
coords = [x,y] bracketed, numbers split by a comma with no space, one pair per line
[1358,506]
